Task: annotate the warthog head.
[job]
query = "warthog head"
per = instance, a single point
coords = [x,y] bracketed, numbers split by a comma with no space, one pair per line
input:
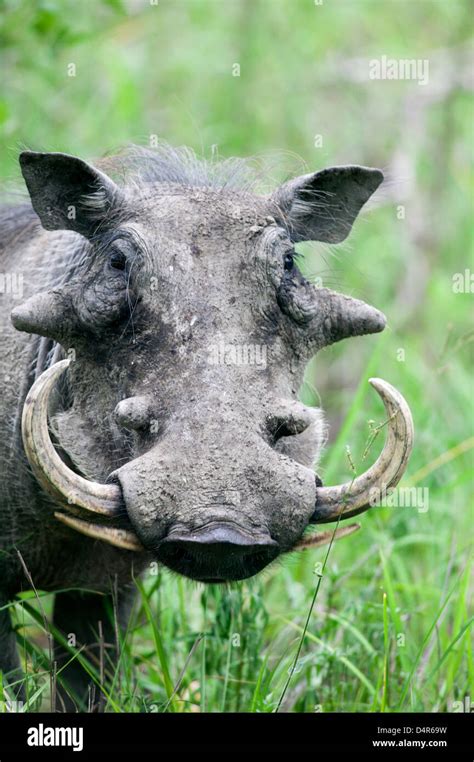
[189,326]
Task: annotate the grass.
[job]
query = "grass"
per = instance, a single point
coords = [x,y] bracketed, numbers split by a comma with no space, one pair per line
[387,627]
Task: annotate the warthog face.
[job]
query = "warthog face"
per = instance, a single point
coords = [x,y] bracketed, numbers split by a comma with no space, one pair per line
[191,326]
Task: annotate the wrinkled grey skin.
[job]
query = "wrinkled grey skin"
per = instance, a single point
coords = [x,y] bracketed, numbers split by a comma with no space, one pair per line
[150,279]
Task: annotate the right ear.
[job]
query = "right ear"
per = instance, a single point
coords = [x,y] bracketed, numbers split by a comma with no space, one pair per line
[323,206]
[67,193]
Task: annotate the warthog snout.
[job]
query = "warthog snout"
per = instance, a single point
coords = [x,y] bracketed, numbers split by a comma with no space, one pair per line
[215,501]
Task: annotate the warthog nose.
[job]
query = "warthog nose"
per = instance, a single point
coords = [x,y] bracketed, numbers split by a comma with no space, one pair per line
[217,553]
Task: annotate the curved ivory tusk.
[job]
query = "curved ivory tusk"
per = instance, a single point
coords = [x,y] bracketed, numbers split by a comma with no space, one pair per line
[58,480]
[324,538]
[121,538]
[346,500]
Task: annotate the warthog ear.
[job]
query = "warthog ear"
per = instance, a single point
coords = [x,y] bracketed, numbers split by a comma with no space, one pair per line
[323,206]
[66,192]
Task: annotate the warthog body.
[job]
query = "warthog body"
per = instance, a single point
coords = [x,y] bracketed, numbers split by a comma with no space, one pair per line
[174,295]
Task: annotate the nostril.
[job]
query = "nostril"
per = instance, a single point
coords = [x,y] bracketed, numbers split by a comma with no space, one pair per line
[133,413]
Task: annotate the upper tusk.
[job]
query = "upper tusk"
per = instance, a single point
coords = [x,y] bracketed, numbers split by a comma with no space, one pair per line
[121,538]
[57,479]
[353,497]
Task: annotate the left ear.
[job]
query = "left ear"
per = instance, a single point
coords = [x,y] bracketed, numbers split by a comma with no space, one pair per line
[67,193]
[323,206]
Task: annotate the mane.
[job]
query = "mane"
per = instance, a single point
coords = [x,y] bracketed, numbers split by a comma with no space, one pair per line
[18,222]
[167,165]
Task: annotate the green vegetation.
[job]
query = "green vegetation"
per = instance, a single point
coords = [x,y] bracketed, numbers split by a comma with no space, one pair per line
[389,630]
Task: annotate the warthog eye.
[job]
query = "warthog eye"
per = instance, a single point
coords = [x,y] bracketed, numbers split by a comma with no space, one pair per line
[289,261]
[286,425]
[118,260]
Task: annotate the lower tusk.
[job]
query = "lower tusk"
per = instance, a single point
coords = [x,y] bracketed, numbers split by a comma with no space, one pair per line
[324,538]
[121,538]
[58,480]
[346,500]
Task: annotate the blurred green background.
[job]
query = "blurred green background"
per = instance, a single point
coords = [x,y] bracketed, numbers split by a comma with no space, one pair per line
[390,628]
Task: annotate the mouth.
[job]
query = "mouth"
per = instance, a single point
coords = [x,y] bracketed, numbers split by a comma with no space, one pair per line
[98,510]
[219,551]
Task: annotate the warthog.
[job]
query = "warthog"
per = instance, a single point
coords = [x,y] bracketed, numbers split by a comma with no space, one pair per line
[149,391]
